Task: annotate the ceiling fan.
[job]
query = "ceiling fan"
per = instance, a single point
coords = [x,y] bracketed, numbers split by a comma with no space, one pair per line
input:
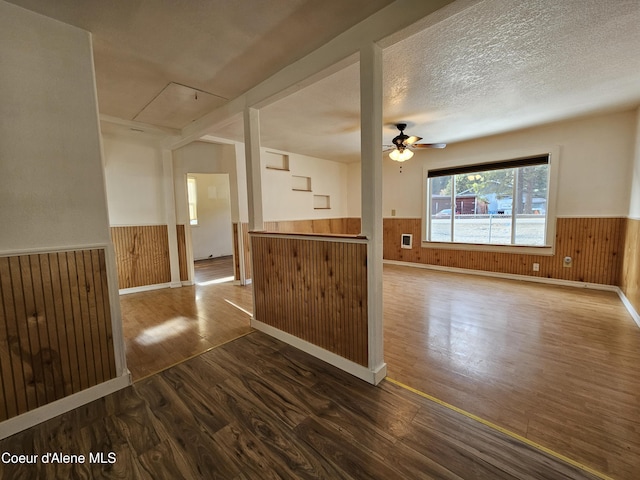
[402,145]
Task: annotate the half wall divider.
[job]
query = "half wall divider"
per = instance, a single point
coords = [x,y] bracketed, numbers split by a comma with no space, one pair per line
[311,291]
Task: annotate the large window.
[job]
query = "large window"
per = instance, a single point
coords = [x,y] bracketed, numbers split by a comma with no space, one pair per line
[502,203]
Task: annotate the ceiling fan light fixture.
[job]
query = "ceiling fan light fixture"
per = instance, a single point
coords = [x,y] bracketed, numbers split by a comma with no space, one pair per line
[400,155]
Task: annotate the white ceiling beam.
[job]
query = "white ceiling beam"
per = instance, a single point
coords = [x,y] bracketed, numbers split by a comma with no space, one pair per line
[387,23]
[139,126]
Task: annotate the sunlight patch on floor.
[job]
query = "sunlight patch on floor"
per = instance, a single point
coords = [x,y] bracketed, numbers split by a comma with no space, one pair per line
[162,332]
[217,280]
[238,307]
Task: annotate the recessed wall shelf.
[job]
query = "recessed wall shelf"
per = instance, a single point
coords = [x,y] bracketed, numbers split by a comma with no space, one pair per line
[321,202]
[276,161]
[300,183]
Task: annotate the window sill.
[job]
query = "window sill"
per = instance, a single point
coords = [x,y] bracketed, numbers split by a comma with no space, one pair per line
[473,247]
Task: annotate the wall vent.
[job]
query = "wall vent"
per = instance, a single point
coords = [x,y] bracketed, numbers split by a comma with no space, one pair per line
[406,240]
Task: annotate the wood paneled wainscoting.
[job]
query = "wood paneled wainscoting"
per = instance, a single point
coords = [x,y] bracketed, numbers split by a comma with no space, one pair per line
[314,288]
[55,328]
[321,226]
[630,270]
[595,244]
[182,253]
[246,250]
[142,255]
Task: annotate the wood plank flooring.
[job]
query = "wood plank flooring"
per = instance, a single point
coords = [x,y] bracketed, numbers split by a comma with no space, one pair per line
[213,269]
[164,327]
[256,408]
[557,365]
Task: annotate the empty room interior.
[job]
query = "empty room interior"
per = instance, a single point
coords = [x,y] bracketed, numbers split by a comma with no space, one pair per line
[298,239]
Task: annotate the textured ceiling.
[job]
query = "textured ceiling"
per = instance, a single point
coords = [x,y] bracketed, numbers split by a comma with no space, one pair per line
[490,67]
[505,64]
[496,66]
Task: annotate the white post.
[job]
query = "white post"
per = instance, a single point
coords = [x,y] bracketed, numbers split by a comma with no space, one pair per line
[254,174]
[371,177]
[170,216]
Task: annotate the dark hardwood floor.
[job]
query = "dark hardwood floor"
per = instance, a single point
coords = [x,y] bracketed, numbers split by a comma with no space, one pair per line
[559,366]
[256,408]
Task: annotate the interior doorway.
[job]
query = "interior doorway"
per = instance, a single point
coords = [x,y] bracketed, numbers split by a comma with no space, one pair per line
[168,326]
[211,227]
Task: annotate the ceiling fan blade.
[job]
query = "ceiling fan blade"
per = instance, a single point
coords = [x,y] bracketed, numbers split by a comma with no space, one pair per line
[428,145]
[388,148]
[411,140]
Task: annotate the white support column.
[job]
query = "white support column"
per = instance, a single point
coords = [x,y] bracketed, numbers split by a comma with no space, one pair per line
[371,176]
[170,216]
[254,174]
[119,347]
[242,200]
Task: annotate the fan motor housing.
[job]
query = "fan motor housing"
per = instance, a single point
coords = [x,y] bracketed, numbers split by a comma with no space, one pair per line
[399,140]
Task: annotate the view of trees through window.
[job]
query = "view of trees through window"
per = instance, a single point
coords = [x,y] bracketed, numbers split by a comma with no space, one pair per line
[470,205]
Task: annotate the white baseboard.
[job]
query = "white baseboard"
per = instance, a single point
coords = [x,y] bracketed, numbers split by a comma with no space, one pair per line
[53,409]
[144,288]
[510,276]
[371,376]
[159,286]
[632,311]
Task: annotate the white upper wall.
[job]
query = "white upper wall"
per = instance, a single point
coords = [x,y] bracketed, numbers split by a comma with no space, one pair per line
[52,191]
[213,236]
[596,154]
[133,174]
[204,157]
[281,202]
[597,175]
[354,190]
[134,179]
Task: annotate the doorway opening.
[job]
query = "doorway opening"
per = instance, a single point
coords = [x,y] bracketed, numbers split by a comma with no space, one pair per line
[211,227]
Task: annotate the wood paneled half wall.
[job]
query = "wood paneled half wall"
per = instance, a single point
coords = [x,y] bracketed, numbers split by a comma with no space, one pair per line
[182,253]
[630,271]
[595,244]
[314,289]
[55,328]
[334,226]
[246,250]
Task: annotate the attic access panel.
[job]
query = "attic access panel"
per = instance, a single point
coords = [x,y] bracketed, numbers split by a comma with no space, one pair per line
[178,105]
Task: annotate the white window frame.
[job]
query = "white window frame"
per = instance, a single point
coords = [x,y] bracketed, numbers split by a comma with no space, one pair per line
[550,235]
